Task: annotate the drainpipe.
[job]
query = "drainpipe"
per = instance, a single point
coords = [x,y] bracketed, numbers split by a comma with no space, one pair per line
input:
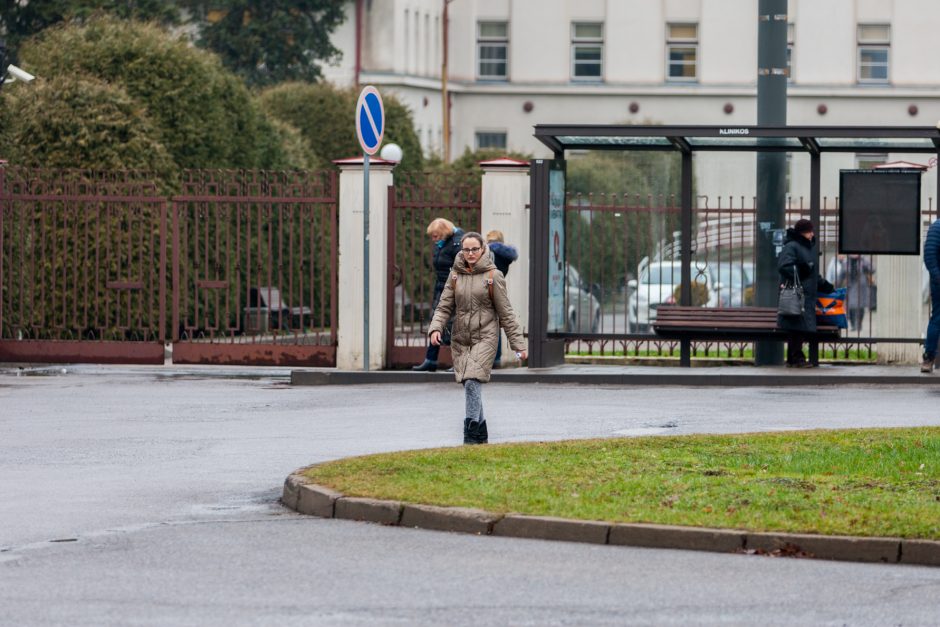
[445,97]
[358,42]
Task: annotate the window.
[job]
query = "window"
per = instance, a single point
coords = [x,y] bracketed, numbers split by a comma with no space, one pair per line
[491,139]
[587,51]
[493,50]
[416,48]
[873,45]
[407,40]
[681,51]
[789,52]
[435,71]
[866,161]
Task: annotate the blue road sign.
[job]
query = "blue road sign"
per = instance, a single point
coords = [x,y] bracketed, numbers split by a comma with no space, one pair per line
[370,120]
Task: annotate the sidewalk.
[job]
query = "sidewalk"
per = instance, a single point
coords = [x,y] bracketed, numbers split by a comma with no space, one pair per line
[721,376]
[644,376]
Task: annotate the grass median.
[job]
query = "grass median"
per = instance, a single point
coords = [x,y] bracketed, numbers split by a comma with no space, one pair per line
[866,482]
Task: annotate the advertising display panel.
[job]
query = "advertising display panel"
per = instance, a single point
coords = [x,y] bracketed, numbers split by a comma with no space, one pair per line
[879,212]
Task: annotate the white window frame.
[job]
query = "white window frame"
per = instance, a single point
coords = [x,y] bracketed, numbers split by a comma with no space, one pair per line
[866,45]
[492,41]
[587,42]
[491,131]
[681,42]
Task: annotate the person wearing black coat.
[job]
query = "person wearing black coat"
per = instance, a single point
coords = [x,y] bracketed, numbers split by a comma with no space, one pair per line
[503,255]
[797,260]
[446,238]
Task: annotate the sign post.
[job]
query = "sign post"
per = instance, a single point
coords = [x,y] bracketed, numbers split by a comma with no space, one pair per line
[370,126]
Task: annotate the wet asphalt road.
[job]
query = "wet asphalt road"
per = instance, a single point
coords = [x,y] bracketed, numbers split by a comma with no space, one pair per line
[136,497]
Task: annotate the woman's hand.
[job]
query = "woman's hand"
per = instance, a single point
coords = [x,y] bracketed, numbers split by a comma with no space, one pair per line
[436,338]
[522,355]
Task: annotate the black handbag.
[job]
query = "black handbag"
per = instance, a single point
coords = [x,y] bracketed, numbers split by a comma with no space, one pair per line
[790,301]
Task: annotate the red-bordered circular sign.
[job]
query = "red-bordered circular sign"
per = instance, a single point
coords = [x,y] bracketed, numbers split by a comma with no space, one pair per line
[370,119]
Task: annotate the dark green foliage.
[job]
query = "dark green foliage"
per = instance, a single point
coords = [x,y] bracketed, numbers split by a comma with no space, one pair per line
[325,117]
[204,116]
[469,162]
[634,199]
[72,249]
[270,41]
[77,121]
[20,20]
[282,245]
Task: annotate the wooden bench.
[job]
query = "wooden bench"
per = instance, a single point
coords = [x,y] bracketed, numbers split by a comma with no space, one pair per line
[733,324]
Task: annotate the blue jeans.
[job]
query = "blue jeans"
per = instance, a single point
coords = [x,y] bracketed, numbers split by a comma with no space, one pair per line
[933,327]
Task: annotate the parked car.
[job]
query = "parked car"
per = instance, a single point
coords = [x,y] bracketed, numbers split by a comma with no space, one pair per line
[727,284]
[657,286]
[583,309]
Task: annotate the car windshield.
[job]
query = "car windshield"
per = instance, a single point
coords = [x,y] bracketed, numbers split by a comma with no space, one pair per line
[726,274]
[663,274]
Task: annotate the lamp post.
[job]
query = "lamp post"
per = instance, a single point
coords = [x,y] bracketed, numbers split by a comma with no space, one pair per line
[391,152]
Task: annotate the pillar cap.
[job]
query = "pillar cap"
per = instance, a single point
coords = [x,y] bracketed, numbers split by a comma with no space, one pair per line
[504,162]
[360,161]
[906,165]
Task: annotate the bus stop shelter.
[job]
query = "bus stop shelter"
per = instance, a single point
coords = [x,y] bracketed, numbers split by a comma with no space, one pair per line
[546,344]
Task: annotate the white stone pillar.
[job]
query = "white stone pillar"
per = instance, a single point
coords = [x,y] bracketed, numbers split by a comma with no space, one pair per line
[900,306]
[505,199]
[350,329]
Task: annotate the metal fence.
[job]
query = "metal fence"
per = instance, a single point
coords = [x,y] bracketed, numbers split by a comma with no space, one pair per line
[254,267]
[86,274]
[82,265]
[413,203]
[623,253]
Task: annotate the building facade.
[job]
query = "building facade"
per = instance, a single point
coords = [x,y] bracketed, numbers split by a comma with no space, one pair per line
[516,63]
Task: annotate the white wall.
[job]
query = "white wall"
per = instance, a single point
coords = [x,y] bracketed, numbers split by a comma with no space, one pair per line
[914,24]
[736,60]
[632,36]
[824,64]
[825,42]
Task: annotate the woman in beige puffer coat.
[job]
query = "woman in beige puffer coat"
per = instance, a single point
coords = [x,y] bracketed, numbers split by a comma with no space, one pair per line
[476,296]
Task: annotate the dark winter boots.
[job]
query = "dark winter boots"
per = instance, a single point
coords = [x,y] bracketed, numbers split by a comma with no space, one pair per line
[426,366]
[474,432]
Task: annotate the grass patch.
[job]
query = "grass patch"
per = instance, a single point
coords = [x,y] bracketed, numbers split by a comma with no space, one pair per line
[873,482]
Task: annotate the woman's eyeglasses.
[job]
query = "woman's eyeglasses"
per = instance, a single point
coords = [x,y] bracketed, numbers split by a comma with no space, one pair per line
[472,251]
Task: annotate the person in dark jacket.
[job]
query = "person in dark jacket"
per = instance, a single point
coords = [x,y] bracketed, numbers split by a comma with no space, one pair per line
[797,261]
[932,261]
[503,255]
[446,238]
[857,275]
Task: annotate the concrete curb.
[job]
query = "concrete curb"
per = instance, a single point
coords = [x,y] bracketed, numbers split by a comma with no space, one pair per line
[694,377]
[316,500]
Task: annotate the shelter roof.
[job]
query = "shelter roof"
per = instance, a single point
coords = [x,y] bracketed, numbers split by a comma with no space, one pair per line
[812,139]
